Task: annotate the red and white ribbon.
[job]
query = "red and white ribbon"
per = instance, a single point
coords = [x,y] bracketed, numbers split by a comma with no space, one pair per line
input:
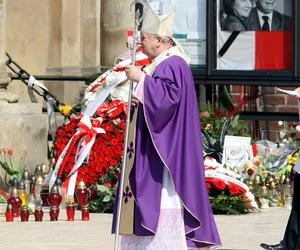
[88,134]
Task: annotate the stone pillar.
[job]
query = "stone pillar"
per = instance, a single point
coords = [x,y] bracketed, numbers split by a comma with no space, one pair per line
[5,95]
[74,39]
[116,20]
[23,128]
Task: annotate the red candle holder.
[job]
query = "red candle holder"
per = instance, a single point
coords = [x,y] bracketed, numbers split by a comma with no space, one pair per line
[54,198]
[82,194]
[44,195]
[70,212]
[85,213]
[9,215]
[24,214]
[15,201]
[54,212]
[38,214]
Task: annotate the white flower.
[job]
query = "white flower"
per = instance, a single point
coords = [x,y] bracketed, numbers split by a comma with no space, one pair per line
[298,128]
[281,134]
[285,141]
[280,123]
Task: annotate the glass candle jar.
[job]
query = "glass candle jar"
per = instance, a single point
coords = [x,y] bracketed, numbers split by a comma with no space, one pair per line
[31,202]
[70,209]
[44,195]
[15,201]
[22,193]
[24,214]
[54,198]
[9,215]
[38,214]
[85,213]
[54,212]
[82,194]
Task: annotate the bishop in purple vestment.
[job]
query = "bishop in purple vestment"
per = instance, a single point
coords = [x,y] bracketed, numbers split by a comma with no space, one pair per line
[168,137]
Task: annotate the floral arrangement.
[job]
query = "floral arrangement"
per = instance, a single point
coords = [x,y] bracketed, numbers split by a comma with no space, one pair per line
[227,197]
[101,170]
[289,133]
[215,124]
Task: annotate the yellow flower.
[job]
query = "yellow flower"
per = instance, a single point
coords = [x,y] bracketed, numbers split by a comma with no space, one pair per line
[204,114]
[208,126]
[65,110]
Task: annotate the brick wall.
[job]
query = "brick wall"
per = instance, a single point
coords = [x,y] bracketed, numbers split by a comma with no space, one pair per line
[276,102]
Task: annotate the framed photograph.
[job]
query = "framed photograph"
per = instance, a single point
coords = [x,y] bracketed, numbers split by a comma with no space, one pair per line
[254,36]
[236,150]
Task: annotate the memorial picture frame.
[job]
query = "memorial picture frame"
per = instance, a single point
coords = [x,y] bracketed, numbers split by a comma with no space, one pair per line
[287,68]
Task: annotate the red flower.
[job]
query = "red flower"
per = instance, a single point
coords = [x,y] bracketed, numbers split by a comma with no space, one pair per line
[106,152]
[208,186]
[217,183]
[107,184]
[219,113]
[10,151]
[235,189]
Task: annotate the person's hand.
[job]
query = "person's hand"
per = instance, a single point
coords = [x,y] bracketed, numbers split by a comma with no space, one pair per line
[297,90]
[133,73]
[134,101]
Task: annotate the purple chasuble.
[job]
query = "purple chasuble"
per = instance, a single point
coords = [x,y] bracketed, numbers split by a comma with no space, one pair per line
[168,133]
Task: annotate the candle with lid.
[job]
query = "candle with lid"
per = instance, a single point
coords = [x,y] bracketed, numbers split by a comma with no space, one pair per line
[54,198]
[32,184]
[13,184]
[31,203]
[82,194]
[44,194]
[38,187]
[38,171]
[22,193]
[9,215]
[15,201]
[26,179]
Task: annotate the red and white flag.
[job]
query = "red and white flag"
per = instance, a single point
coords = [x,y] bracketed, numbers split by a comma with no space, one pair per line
[256,50]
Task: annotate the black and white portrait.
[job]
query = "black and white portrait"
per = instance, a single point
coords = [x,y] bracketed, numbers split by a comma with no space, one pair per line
[256,15]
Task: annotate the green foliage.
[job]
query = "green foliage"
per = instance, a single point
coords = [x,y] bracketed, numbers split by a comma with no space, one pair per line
[214,126]
[11,169]
[229,205]
[104,192]
[104,198]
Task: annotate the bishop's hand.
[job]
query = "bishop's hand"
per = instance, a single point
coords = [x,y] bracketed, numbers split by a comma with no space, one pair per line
[133,73]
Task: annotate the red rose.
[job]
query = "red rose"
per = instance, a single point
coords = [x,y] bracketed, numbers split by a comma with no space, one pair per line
[219,184]
[235,189]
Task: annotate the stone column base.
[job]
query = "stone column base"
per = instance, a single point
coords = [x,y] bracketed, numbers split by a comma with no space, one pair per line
[23,127]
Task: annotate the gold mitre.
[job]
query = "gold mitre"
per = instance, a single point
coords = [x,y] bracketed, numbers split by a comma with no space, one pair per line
[161,25]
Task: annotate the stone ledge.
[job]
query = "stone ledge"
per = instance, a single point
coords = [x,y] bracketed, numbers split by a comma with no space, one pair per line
[20,109]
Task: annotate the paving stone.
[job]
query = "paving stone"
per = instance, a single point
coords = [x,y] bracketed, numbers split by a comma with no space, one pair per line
[244,232]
